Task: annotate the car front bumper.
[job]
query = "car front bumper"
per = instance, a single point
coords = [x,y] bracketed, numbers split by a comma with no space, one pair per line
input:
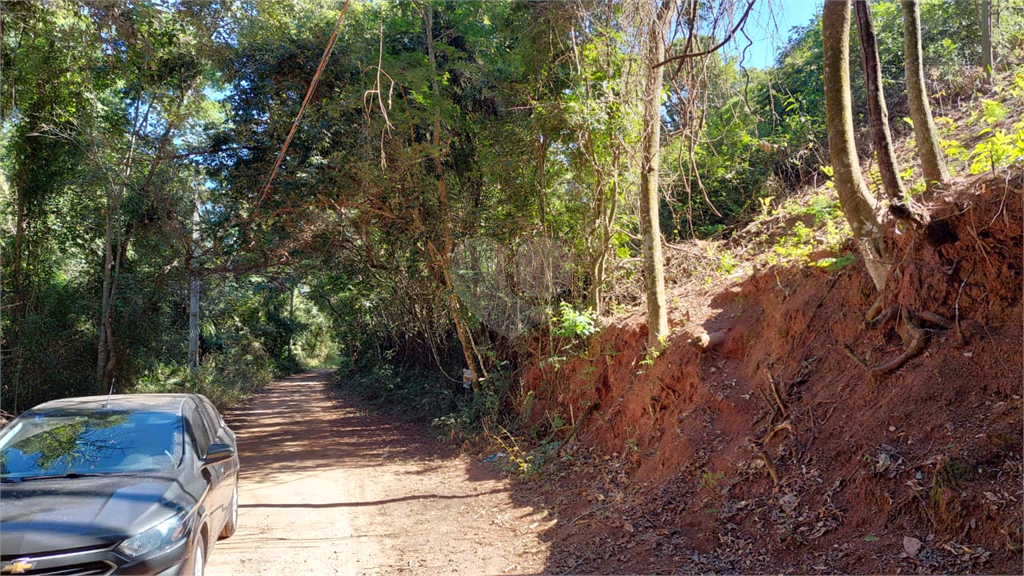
[104,561]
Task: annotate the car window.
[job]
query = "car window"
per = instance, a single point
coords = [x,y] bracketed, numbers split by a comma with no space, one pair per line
[200,429]
[212,416]
[62,442]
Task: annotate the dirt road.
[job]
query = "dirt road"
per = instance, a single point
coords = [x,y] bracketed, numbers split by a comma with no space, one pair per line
[328,489]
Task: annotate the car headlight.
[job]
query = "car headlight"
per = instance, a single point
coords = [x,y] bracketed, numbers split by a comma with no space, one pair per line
[156,539]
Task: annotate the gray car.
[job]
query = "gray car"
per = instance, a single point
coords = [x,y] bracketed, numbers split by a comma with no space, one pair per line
[126,484]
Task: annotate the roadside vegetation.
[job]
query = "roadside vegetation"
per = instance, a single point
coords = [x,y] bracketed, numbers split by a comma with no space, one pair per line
[460,194]
[584,240]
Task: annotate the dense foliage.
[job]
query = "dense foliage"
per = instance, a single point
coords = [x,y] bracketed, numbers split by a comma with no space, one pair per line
[460,170]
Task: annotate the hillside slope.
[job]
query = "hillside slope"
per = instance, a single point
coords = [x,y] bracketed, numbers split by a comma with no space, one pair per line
[778,449]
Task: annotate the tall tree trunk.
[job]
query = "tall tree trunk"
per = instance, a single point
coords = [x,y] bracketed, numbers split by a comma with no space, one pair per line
[543,146]
[442,259]
[19,234]
[193,288]
[933,163]
[106,353]
[987,58]
[878,115]
[115,250]
[104,343]
[650,226]
[857,204]
[605,211]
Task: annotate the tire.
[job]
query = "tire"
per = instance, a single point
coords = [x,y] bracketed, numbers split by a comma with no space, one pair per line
[199,557]
[232,521]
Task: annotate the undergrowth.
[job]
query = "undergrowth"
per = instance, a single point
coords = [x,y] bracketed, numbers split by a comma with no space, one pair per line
[492,421]
[224,377]
[412,394]
[806,228]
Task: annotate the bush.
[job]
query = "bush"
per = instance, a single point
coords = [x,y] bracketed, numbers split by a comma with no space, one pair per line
[224,377]
[573,324]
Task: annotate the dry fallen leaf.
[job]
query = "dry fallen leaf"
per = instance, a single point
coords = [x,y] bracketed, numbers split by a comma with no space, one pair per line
[911,545]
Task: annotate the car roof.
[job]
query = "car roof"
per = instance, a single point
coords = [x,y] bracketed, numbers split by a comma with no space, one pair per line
[158,402]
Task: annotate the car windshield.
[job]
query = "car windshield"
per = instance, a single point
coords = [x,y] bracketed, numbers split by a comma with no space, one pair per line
[87,442]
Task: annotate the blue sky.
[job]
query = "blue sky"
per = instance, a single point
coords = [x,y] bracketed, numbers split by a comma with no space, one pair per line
[768,28]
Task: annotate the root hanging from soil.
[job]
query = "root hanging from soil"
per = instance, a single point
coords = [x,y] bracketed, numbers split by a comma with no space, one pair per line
[857,359]
[707,340]
[961,341]
[769,465]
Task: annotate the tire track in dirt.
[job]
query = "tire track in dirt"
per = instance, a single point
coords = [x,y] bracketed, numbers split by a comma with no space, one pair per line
[327,489]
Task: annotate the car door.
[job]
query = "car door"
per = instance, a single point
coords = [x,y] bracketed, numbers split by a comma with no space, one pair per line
[218,474]
[220,433]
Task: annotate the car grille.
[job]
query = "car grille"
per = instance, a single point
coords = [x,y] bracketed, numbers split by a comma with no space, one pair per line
[85,569]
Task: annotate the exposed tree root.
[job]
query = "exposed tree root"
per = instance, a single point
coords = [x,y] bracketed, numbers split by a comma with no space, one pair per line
[937,319]
[576,427]
[707,340]
[778,397]
[883,317]
[910,212]
[918,341]
[779,427]
[769,465]
[917,345]
[960,340]
[857,359]
[875,309]
[772,409]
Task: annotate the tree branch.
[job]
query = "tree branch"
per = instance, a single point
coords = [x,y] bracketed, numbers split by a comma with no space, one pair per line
[716,47]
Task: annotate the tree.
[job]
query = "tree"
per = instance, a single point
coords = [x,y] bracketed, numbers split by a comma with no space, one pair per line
[878,114]
[441,259]
[95,141]
[933,163]
[650,227]
[987,59]
[858,206]
[170,69]
[596,125]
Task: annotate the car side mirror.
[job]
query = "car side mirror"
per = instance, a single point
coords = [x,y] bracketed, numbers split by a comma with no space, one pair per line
[218,453]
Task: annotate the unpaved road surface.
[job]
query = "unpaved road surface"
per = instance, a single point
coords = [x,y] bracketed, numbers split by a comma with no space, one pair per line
[328,489]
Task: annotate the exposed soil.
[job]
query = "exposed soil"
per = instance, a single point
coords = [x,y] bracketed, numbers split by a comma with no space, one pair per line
[778,450]
[327,489]
[775,450]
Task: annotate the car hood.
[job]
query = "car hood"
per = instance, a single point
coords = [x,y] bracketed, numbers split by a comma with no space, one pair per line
[48,515]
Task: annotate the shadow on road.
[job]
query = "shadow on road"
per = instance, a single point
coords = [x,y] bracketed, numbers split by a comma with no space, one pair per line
[294,427]
[375,502]
[363,493]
